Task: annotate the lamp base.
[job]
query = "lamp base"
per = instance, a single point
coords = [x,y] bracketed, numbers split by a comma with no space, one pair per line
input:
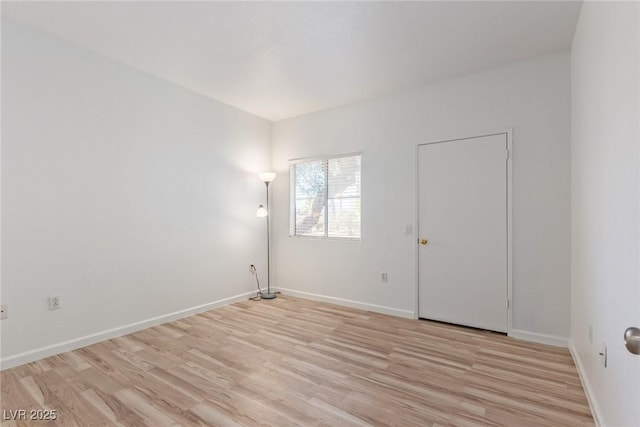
[267,295]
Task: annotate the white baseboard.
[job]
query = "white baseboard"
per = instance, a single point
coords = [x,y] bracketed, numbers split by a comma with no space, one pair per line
[51,350]
[349,303]
[539,338]
[586,385]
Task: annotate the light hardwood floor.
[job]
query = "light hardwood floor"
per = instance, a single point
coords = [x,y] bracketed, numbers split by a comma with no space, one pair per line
[297,362]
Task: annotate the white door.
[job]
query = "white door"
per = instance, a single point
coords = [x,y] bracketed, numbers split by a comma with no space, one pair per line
[462,209]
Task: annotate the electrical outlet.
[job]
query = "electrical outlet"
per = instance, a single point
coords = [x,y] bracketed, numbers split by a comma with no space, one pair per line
[590,334]
[4,311]
[408,229]
[603,355]
[252,269]
[383,277]
[55,303]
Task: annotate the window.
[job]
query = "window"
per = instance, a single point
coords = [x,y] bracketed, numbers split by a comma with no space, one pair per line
[325,197]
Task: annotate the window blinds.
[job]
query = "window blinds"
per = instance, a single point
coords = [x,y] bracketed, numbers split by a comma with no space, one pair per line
[325,197]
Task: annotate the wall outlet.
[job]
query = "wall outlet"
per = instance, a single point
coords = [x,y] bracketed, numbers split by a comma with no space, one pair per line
[590,334]
[383,277]
[4,311]
[408,229]
[55,303]
[603,355]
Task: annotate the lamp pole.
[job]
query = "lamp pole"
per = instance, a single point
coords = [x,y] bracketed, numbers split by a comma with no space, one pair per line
[268,244]
[268,295]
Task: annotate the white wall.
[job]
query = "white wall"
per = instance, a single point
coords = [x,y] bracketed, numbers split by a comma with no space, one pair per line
[532,97]
[128,196]
[605,162]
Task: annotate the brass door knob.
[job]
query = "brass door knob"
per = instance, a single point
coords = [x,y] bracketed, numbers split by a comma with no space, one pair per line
[423,241]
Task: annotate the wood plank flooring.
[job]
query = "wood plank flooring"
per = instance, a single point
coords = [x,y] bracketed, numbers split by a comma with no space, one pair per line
[291,361]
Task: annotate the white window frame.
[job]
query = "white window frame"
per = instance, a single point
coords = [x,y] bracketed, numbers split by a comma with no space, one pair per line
[292,206]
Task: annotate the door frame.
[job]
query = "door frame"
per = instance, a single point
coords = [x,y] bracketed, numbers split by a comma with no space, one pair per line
[509,133]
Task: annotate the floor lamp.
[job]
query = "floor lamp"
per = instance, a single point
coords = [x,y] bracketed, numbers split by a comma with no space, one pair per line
[263,212]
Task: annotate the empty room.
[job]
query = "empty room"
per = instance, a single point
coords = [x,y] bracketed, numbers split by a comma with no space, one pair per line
[344,213]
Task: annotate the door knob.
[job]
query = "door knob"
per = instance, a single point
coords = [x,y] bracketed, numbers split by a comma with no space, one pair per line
[632,340]
[423,241]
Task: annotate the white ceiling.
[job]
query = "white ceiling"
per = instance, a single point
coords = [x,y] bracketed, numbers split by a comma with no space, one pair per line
[283,59]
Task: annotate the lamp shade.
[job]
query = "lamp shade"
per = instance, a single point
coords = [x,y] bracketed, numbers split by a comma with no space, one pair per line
[267,176]
[261,212]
